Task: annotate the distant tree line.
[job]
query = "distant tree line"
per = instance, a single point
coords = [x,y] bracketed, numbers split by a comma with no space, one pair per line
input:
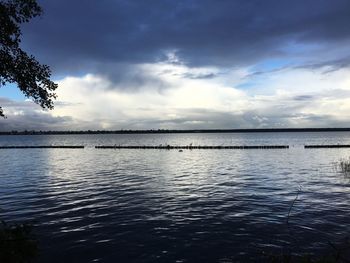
[33,132]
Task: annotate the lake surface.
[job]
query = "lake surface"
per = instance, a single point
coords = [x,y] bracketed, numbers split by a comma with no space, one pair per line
[130,205]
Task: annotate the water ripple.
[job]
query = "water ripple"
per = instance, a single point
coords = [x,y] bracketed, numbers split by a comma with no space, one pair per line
[145,206]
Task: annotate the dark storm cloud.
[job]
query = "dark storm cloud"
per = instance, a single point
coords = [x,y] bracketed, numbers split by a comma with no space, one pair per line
[199,75]
[86,36]
[303,98]
[130,78]
[325,67]
[328,66]
[267,72]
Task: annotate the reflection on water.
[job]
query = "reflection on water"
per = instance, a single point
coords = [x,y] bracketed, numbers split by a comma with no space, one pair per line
[200,205]
[91,140]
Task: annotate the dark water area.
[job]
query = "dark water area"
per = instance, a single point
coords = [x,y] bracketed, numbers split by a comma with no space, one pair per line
[130,205]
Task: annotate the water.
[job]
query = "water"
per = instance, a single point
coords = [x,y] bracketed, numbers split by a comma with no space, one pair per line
[93,205]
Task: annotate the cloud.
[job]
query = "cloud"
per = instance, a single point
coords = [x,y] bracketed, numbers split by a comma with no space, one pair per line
[133,77]
[78,38]
[303,97]
[292,98]
[191,64]
[209,75]
[202,103]
[327,65]
[91,102]
[26,115]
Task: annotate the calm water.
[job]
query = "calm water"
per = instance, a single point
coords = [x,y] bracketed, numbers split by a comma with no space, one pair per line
[93,205]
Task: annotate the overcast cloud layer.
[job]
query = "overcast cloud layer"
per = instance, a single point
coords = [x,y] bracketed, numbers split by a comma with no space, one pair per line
[191,64]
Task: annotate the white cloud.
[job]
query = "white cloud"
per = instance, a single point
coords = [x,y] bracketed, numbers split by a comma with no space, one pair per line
[286,98]
[294,97]
[93,98]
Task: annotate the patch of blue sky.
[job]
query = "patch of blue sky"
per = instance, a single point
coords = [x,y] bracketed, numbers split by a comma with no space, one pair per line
[247,85]
[270,65]
[11,91]
[255,81]
[259,72]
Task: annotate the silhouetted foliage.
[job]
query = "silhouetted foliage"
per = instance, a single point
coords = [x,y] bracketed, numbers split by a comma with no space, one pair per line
[344,166]
[16,66]
[17,243]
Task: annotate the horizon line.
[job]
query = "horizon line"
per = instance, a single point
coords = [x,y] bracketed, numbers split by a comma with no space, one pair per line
[150,131]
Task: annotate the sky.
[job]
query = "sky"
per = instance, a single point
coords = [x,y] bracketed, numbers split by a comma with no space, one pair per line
[188,64]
